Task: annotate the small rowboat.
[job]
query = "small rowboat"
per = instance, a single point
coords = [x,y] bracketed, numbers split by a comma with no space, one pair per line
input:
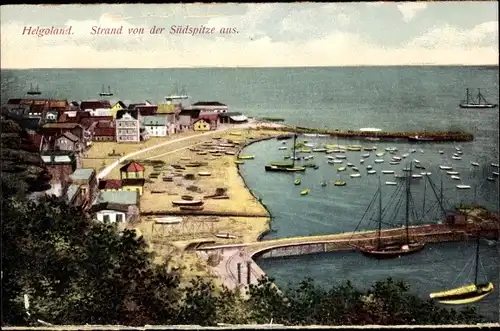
[339,183]
[341,156]
[380,154]
[305,192]
[187,203]
[452,172]
[204,173]
[230,152]
[355,169]
[494,165]
[455,177]
[239,162]
[371,172]
[355,175]
[391,183]
[282,148]
[202,153]
[366,155]
[323,183]
[456,157]
[379,161]
[225,236]
[297,181]
[187,197]
[442,167]
[387,172]
[246,157]
[341,169]
[475,164]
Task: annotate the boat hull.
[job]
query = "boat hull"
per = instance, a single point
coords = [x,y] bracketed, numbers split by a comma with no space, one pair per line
[391,251]
[284,169]
[463,295]
[478,106]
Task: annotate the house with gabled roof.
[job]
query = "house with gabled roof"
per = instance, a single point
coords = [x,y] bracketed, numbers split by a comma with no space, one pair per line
[132,169]
[157,126]
[116,206]
[94,104]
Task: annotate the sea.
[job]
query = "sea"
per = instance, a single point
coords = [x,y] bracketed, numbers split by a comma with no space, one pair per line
[387,98]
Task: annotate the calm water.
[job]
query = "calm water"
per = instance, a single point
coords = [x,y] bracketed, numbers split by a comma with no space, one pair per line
[389,98]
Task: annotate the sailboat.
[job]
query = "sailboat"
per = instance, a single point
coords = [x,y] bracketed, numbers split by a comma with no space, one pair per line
[399,247]
[285,166]
[34,91]
[468,293]
[478,102]
[104,93]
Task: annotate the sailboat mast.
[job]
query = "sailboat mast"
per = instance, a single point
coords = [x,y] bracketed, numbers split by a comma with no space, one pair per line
[467,90]
[477,259]
[479,96]
[293,151]
[407,211]
[379,232]
[109,89]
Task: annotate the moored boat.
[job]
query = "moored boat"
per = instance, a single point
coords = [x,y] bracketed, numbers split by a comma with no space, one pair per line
[479,102]
[305,192]
[246,157]
[378,161]
[391,183]
[475,164]
[468,293]
[371,172]
[297,181]
[341,169]
[455,177]
[443,167]
[463,187]
[339,183]
[355,175]
[387,172]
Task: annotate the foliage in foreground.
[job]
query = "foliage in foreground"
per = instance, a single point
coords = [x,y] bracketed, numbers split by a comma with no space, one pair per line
[79,271]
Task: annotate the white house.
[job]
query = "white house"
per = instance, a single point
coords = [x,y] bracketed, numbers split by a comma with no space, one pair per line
[116,206]
[156,125]
[127,127]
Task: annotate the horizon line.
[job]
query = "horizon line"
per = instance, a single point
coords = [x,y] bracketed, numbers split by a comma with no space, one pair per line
[267,67]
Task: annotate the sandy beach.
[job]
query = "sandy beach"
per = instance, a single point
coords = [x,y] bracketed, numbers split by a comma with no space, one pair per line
[169,241]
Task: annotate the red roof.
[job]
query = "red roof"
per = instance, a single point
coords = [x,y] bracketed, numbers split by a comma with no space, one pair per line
[110,184]
[95,104]
[132,167]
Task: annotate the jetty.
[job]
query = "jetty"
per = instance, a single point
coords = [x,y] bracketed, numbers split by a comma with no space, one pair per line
[237,268]
[427,136]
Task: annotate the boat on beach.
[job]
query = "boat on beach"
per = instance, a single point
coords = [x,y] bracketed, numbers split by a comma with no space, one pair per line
[204,173]
[191,208]
[479,102]
[225,236]
[187,203]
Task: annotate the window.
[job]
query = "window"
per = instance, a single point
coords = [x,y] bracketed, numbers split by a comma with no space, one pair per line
[119,217]
[105,218]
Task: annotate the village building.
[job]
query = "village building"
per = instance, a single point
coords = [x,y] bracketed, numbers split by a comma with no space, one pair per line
[147,110]
[51,116]
[186,119]
[213,119]
[133,184]
[104,132]
[116,107]
[132,170]
[129,127]
[209,106]
[87,180]
[201,125]
[94,104]
[107,185]
[233,118]
[68,142]
[60,165]
[117,206]
[74,196]
[156,126]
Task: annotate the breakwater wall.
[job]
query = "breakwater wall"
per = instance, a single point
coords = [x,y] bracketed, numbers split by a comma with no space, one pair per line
[436,136]
[349,244]
[202,213]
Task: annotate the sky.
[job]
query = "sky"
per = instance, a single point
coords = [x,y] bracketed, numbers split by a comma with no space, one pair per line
[268,35]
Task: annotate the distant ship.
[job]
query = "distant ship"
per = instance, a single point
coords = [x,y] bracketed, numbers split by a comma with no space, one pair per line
[177,96]
[105,94]
[479,102]
[34,92]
